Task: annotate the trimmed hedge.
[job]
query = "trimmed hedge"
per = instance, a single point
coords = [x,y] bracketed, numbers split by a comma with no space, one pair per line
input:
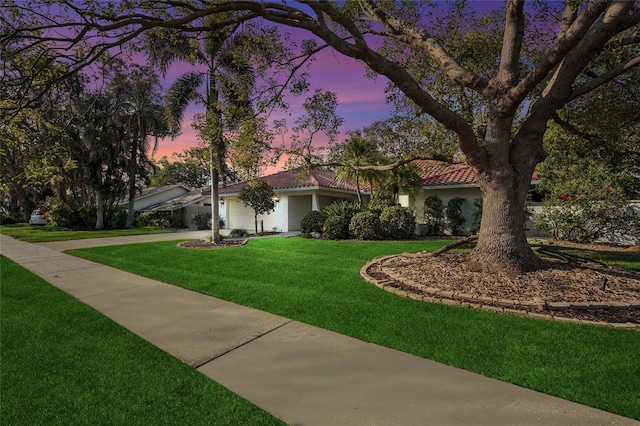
[366,226]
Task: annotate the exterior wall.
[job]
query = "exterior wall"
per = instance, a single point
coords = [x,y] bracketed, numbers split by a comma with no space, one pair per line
[469,193]
[141,203]
[287,215]
[188,213]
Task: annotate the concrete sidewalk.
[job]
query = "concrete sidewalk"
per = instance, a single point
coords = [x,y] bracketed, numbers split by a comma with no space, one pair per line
[303,374]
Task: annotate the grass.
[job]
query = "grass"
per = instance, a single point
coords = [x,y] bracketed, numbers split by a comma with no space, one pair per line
[43,234]
[64,363]
[317,282]
[626,260]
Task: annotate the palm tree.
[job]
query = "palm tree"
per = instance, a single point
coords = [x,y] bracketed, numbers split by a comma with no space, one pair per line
[357,151]
[139,108]
[402,179]
[228,83]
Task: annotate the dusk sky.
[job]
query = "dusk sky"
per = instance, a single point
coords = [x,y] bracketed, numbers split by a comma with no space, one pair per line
[361,100]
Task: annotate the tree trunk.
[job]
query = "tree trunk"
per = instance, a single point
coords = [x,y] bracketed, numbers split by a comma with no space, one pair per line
[133,169]
[502,243]
[215,218]
[100,210]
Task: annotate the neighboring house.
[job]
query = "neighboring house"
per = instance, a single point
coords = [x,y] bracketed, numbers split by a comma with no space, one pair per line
[297,194]
[183,208]
[154,196]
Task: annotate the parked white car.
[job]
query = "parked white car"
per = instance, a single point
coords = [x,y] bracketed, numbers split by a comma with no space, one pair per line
[38,218]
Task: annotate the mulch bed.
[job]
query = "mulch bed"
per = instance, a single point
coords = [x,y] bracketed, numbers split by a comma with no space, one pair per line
[558,282]
[199,244]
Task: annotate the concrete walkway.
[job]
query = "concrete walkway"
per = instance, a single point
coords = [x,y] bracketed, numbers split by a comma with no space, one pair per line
[300,373]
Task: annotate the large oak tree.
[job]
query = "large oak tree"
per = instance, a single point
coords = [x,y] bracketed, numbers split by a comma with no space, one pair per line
[503,90]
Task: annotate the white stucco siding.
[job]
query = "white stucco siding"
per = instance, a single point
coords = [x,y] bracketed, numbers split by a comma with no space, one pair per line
[240,216]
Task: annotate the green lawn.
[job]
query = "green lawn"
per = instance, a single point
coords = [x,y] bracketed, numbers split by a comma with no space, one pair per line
[318,282]
[43,234]
[64,363]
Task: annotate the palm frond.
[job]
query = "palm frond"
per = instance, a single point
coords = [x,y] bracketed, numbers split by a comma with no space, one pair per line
[183,90]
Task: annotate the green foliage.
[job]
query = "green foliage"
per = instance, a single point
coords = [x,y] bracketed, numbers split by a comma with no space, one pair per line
[586,220]
[585,205]
[433,215]
[238,233]
[366,226]
[62,215]
[202,221]
[342,208]
[258,195]
[339,215]
[398,223]
[336,227]
[10,219]
[312,222]
[377,204]
[455,218]
[190,168]
[476,215]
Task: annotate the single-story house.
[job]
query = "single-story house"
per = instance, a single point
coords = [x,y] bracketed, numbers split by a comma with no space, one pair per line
[297,193]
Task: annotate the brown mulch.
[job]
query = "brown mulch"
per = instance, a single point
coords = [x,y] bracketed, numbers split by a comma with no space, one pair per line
[199,244]
[558,282]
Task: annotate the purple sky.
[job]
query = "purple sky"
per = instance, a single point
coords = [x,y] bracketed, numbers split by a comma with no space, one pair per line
[361,100]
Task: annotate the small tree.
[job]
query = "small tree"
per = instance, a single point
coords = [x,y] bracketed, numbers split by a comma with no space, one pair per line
[433,215]
[454,215]
[259,196]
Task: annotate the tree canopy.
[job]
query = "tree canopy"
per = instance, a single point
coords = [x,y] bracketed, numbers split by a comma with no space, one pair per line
[491,78]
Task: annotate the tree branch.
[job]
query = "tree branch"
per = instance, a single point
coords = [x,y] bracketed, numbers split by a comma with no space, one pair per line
[603,78]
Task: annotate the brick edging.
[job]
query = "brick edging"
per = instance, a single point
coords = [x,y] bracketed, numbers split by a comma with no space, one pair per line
[507,306]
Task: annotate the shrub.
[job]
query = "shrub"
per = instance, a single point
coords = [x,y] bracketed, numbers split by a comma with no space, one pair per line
[455,217]
[398,222]
[343,208]
[477,216]
[202,221]
[118,218]
[433,215]
[10,219]
[583,221]
[61,215]
[366,226]
[378,204]
[312,222]
[238,233]
[336,227]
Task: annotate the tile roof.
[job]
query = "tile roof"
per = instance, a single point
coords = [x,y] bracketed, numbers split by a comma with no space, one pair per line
[293,179]
[437,173]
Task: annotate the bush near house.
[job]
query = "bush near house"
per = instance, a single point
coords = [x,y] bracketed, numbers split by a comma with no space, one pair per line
[379,220]
[455,218]
[587,211]
[398,223]
[312,222]
[366,226]
[433,215]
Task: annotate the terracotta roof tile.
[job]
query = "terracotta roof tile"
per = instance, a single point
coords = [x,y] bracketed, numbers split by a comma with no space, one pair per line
[437,173]
[293,179]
